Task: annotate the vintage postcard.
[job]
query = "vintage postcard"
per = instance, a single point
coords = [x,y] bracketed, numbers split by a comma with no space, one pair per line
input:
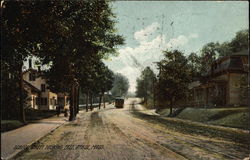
[125,80]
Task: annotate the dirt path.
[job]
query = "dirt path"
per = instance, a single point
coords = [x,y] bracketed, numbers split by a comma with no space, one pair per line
[115,134]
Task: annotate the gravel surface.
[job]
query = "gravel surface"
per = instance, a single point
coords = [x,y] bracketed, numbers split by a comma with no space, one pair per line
[117,134]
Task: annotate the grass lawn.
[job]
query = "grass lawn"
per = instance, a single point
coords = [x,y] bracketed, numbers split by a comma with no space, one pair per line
[194,128]
[31,114]
[228,117]
[7,125]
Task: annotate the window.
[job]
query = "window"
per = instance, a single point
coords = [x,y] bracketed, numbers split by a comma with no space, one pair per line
[37,101]
[32,77]
[43,87]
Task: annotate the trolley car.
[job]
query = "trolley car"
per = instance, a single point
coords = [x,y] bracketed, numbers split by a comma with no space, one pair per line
[119,102]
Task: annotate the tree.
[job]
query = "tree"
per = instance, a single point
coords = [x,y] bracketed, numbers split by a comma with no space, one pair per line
[145,84]
[10,97]
[240,41]
[18,42]
[84,31]
[104,82]
[196,66]
[120,85]
[63,35]
[225,49]
[209,53]
[174,78]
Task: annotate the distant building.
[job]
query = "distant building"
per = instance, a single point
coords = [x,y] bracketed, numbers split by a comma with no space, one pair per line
[63,100]
[222,85]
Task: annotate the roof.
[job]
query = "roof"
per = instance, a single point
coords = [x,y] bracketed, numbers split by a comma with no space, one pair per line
[34,71]
[30,70]
[241,53]
[33,88]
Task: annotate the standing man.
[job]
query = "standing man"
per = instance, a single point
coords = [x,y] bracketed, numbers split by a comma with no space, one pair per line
[58,110]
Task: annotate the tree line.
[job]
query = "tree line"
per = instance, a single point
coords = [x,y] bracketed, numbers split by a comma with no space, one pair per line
[176,71]
[70,37]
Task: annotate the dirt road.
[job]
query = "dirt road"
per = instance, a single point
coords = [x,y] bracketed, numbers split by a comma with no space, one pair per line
[116,134]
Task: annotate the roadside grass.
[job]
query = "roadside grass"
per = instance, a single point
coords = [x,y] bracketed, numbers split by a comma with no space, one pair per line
[30,114]
[33,114]
[236,120]
[227,117]
[7,125]
[194,128]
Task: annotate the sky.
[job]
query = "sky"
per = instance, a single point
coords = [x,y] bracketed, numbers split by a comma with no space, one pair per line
[149,27]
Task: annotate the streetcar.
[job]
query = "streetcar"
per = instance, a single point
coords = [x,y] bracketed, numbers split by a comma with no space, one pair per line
[119,102]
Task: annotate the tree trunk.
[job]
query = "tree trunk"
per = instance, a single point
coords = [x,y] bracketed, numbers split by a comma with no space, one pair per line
[72,107]
[87,101]
[103,99]
[91,101]
[75,100]
[171,106]
[100,101]
[21,106]
[78,98]
[171,110]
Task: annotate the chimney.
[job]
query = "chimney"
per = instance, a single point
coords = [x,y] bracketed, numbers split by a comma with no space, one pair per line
[30,63]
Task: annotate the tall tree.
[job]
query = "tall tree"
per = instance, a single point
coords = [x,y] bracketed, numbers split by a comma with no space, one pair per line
[63,35]
[120,85]
[209,53]
[18,42]
[145,84]
[104,82]
[174,77]
[85,31]
[196,66]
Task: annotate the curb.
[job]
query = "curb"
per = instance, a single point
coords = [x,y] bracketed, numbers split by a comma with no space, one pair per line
[19,152]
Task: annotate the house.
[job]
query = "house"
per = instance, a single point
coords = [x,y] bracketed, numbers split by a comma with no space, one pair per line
[222,86]
[33,94]
[41,97]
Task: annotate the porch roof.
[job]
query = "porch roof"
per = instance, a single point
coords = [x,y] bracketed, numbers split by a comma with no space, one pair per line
[33,88]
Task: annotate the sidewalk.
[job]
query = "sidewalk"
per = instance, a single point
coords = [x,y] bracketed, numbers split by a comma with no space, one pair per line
[28,134]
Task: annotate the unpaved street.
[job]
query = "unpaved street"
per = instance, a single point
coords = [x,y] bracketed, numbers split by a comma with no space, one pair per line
[117,134]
